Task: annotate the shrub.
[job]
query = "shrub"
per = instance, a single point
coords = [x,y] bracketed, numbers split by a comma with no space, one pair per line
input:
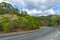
[6,24]
[32,23]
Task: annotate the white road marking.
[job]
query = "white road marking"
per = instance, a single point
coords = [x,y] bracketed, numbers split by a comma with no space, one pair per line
[55,35]
[51,39]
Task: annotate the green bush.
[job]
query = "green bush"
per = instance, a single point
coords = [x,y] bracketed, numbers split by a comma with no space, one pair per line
[1,27]
[32,23]
[6,24]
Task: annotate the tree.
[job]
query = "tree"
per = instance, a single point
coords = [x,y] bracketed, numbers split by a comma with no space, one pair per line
[23,13]
[5,8]
[56,20]
[15,11]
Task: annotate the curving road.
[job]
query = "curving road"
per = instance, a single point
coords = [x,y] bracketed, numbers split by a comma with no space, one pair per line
[48,33]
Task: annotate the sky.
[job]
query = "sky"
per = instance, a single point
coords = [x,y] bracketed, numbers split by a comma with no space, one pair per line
[36,7]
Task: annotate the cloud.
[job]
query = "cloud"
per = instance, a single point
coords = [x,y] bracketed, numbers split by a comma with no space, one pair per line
[1,0]
[51,11]
[39,4]
[45,7]
[36,7]
[34,4]
[35,12]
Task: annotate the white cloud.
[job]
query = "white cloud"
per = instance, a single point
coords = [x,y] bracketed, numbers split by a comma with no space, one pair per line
[50,11]
[1,0]
[39,12]
[39,7]
[36,7]
[34,11]
[39,4]
[35,4]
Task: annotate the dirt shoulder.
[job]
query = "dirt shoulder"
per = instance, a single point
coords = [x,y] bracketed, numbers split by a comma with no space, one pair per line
[16,33]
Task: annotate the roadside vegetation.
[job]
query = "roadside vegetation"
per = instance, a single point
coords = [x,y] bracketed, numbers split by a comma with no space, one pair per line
[11,19]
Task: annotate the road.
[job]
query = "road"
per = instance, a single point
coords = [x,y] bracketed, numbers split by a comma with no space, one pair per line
[48,33]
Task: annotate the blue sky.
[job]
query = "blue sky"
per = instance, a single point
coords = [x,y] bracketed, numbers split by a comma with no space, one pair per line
[34,7]
[57,9]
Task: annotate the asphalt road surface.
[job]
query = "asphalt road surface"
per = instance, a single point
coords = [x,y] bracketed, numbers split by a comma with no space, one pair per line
[48,33]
